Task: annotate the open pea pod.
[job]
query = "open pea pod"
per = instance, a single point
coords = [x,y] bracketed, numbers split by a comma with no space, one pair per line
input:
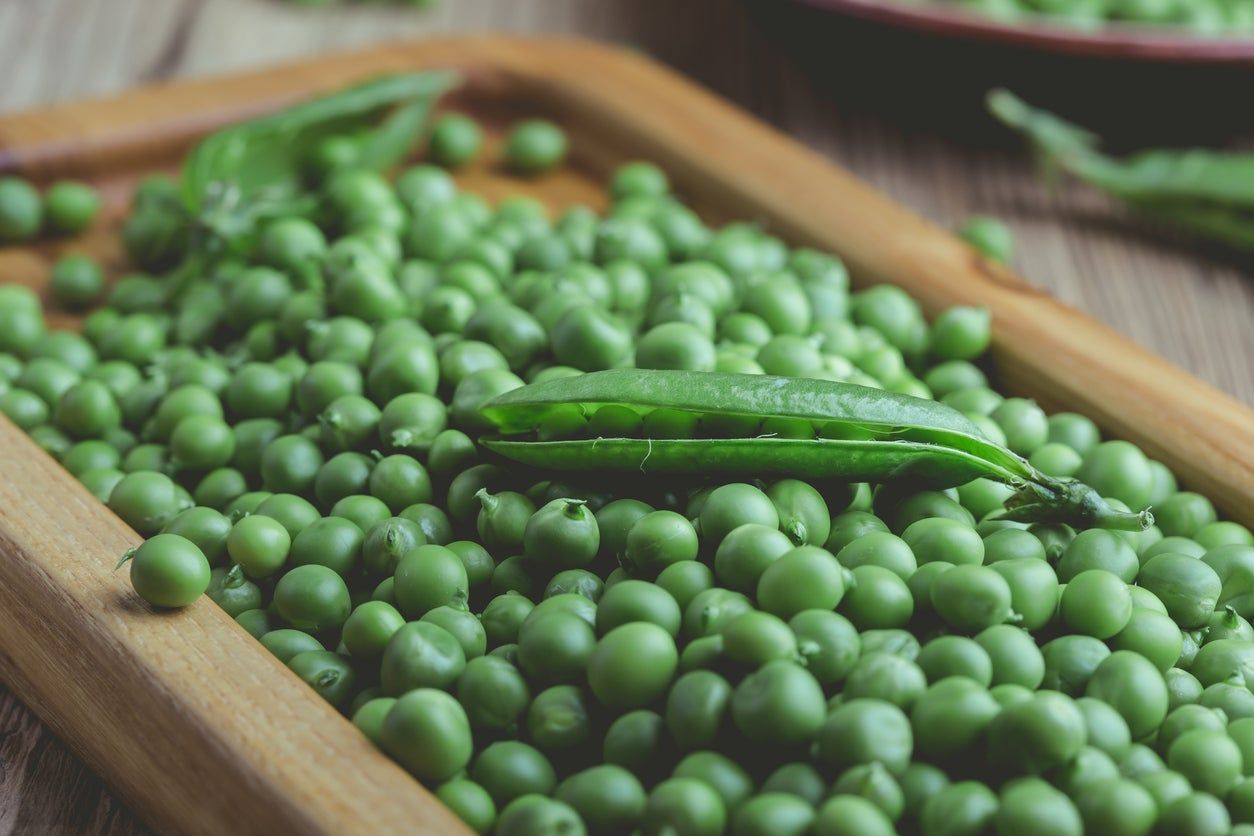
[837,430]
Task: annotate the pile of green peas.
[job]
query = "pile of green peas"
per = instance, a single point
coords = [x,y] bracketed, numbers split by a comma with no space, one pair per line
[646,657]
[1200,17]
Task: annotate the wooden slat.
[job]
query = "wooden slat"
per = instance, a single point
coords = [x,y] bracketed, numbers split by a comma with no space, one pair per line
[187,716]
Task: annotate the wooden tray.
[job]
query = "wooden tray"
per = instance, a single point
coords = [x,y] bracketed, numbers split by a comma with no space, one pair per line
[187,716]
[1115,41]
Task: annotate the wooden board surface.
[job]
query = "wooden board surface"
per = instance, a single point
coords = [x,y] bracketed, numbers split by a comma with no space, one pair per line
[666,137]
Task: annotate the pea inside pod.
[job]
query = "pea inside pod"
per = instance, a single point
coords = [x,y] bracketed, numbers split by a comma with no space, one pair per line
[860,434]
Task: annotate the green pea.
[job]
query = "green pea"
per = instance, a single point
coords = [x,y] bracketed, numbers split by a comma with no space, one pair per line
[1098,549]
[312,598]
[799,779]
[430,576]
[101,481]
[1039,734]
[1152,634]
[971,598]
[1182,687]
[21,211]
[1096,603]
[1024,424]
[674,345]
[846,815]
[850,526]
[1196,812]
[564,533]
[745,552]
[686,803]
[535,146]
[960,333]
[509,770]
[632,665]
[455,140]
[990,236]
[557,718]
[329,674]
[205,527]
[70,207]
[169,571]
[1117,806]
[287,643]
[1132,686]
[696,708]
[1224,533]
[556,648]
[608,798]
[827,642]
[951,715]
[469,801]
[956,656]
[146,501]
[1120,470]
[1230,698]
[633,600]
[885,676]
[1033,806]
[420,654]
[1188,587]
[770,813]
[864,731]
[427,732]
[803,578]
[877,598]
[77,281]
[943,539]
[369,627]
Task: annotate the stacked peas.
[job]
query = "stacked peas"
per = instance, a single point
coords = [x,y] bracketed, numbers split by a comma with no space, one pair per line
[297,438]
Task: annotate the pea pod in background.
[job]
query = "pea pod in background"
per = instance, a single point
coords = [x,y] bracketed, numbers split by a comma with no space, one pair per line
[774,426]
[1209,194]
[237,178]
[268,154]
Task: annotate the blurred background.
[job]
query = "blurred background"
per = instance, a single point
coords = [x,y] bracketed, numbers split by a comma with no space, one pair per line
[901,106]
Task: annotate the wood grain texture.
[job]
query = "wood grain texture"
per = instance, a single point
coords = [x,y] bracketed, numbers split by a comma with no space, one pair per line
[1195,310]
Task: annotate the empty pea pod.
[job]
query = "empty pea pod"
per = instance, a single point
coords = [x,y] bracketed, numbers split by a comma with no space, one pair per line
[854,433]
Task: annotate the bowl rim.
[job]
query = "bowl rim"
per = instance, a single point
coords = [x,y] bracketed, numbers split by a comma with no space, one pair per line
[1112,42]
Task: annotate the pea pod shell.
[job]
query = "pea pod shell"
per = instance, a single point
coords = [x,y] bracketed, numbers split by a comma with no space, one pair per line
[818,458]
[917,439]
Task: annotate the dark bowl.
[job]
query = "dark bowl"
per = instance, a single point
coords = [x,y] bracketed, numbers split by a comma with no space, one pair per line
[1116,41]
[928,67]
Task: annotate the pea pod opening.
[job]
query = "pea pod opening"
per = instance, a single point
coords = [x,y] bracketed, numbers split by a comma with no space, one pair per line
[730,424]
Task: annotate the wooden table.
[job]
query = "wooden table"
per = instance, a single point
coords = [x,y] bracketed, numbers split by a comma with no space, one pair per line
[1197,310]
